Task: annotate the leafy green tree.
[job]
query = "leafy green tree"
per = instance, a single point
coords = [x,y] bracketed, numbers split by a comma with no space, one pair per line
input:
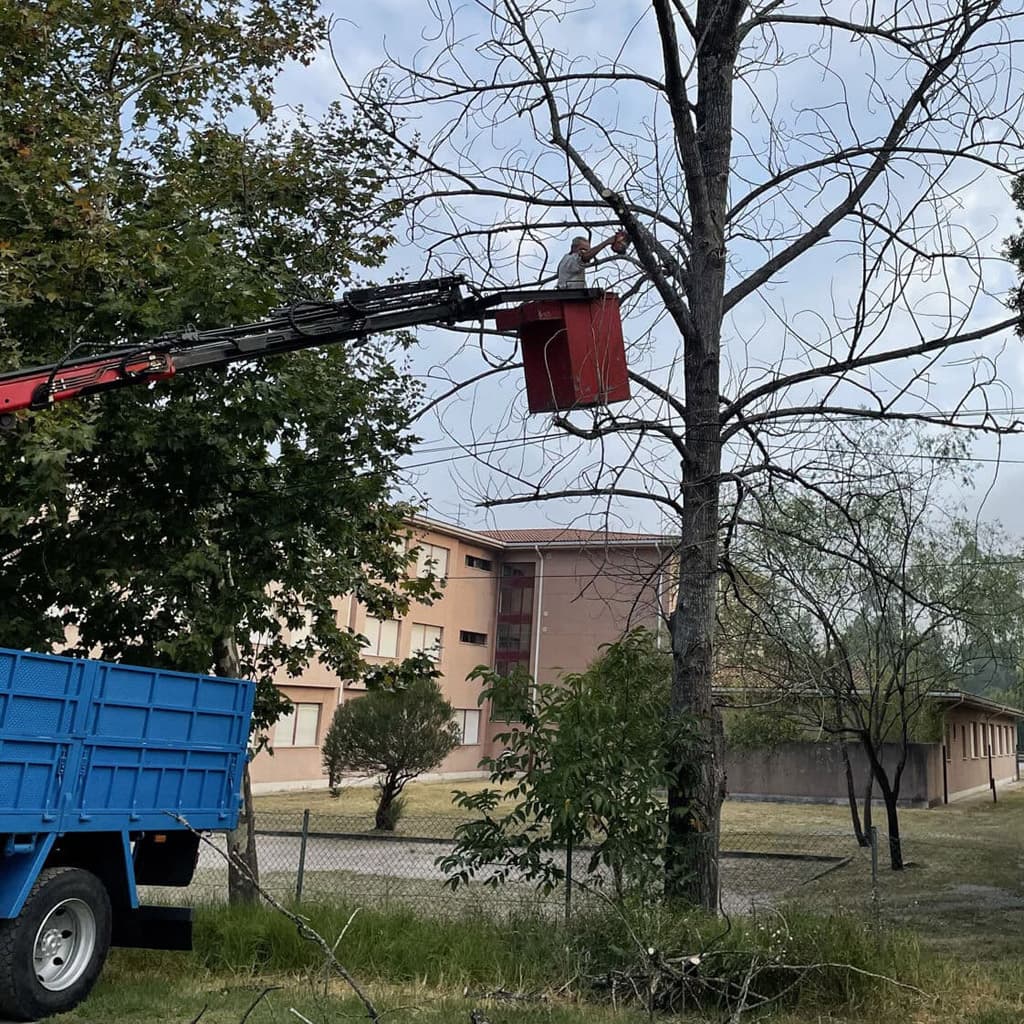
[588,761]
[395,732]
[147,184]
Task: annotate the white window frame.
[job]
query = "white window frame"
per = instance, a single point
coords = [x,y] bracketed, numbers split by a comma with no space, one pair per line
[432,553]
[463,718]
[418,639]
[296,725]
[382,637]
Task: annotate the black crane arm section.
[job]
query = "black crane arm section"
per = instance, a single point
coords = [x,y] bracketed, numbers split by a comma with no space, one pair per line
[359,313]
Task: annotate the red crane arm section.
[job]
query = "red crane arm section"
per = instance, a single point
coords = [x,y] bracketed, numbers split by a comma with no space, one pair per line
[37,389]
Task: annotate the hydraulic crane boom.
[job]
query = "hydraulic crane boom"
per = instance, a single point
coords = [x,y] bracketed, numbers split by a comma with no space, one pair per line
[361,312]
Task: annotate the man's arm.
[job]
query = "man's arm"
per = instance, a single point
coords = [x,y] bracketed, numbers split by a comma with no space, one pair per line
[586,255]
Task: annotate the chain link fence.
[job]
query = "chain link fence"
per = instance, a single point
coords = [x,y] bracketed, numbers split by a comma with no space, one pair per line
[313,857]
[951,886]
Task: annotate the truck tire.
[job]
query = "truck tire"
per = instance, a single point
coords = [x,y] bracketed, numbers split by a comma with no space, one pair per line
[52,953]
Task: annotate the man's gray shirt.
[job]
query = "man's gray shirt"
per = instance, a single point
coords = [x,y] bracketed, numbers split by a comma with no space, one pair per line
[571,271]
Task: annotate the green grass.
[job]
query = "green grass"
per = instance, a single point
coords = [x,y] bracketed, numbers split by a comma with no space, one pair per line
[171,989]
[424,800]
[419,968]
[427,970]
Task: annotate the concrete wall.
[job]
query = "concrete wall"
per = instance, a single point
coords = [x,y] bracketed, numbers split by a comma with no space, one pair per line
[813,772]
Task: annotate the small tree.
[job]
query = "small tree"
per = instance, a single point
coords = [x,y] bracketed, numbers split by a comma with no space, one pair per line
[879,596]
[587,761]
[402,728]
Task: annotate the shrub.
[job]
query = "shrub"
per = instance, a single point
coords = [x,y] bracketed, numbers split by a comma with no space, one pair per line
[396,733]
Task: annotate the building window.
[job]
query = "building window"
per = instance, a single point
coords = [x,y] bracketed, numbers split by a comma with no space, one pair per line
[468,721]
[513,636]
[432,559]
[974,739]
[948,745]
[424,639]
[467,636]
[299,727]
[963,737]
[515,617]
[479,563]
[382,635]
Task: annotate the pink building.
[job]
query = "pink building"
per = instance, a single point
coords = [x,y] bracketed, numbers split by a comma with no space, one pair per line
[546,599]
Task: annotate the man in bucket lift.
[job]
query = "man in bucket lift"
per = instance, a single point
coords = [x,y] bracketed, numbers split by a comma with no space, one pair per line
[572,266]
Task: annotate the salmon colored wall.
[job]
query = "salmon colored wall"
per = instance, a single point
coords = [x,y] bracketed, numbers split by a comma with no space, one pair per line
[289,764]
[966,772]
[587,598]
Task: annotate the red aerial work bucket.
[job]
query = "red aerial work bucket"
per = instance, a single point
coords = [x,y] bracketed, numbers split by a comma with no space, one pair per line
[573,352]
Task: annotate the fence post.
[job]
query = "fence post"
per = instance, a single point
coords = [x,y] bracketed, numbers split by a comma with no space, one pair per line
[302,856]
[873,836]
[568,878]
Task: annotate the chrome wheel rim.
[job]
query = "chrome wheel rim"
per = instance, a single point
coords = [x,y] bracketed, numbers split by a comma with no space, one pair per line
[64,945]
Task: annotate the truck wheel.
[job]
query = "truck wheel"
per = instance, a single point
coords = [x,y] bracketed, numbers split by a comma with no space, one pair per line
[52,953]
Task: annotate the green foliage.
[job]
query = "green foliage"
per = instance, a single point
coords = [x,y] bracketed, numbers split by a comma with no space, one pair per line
[587,762]
[147,185]
[396,733]
[755,728]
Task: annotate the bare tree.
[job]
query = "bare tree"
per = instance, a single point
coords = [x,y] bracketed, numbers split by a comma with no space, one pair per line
[743,146]
[858,599]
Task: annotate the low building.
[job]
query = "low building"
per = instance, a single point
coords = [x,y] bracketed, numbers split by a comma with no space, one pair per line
[544,599]
[977,753]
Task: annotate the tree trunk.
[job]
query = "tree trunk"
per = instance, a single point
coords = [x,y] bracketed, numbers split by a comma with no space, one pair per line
[869,793]
[243,863]
[389,791]
[696,770]
[893,823]
[243,868]
[890,796]
[851,795]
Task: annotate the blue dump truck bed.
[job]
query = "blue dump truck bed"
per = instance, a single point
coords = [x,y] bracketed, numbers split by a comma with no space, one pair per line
[90,745]
[101,767]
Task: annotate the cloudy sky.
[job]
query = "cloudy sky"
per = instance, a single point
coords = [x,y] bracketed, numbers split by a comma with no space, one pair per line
[484,443]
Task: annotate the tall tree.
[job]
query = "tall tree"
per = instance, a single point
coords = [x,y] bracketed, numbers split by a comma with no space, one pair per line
[776,141]
[208,524]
